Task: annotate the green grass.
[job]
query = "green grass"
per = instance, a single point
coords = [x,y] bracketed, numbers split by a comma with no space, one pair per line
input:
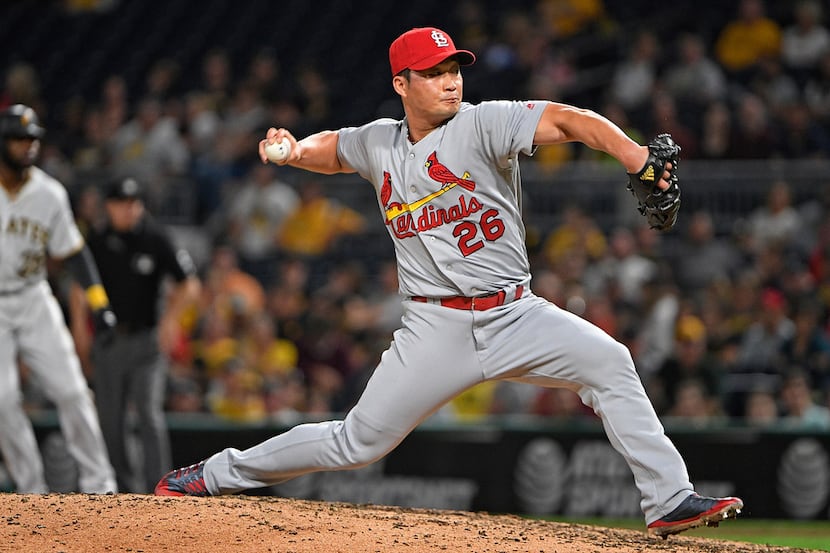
[785,533]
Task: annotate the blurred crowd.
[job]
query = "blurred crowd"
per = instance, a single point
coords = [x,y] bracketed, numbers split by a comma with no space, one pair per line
[721,327]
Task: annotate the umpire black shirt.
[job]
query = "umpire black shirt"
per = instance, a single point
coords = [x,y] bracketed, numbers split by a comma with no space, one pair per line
[133,265]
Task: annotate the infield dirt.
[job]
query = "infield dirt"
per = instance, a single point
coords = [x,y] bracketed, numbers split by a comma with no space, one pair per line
[78,523]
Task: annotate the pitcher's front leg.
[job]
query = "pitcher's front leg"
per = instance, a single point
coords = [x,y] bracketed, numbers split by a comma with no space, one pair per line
[415,377]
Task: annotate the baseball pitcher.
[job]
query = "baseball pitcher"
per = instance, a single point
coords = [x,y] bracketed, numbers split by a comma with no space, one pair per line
[448,187]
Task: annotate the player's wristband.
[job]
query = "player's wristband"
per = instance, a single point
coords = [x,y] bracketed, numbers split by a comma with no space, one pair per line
[97,298]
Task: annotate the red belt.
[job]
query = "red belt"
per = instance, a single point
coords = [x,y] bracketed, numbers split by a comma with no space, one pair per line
[481,303]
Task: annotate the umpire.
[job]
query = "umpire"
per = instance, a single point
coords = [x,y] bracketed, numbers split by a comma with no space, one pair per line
[134,256]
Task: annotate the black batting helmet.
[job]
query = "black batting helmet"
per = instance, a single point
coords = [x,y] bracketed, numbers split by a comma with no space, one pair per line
[19,121]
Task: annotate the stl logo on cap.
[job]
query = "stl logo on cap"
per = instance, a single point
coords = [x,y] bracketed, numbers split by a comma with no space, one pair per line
[440,38]
[424,47]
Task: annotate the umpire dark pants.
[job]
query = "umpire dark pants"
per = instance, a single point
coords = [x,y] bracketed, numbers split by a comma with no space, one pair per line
[131,374]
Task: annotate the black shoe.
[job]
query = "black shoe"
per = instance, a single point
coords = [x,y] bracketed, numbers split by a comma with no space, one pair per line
[184,481]
[696,510]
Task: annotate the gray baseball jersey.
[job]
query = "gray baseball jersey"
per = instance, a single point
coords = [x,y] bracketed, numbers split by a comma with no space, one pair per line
[34,223]
[454,212]
[451,203]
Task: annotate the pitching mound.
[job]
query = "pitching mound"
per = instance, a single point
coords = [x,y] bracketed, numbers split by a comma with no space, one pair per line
[77,523]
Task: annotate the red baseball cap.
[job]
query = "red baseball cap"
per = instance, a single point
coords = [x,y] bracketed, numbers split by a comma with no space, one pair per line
[424,47]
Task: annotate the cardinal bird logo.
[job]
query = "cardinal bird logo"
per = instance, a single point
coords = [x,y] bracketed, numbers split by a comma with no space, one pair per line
[386,188]
[439,172]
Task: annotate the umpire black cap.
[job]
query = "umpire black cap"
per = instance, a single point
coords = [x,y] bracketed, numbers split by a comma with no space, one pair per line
[124,189]
[19,121]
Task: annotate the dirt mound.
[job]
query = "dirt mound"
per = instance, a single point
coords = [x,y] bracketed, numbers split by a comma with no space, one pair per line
[78,523]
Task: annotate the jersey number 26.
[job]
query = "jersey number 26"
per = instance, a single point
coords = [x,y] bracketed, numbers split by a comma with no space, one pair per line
[467,232]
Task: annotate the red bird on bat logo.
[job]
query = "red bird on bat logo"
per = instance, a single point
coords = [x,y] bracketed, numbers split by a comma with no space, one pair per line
[386,188]
[440,173]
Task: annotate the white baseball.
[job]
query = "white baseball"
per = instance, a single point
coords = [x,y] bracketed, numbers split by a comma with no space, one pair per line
[278,151]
